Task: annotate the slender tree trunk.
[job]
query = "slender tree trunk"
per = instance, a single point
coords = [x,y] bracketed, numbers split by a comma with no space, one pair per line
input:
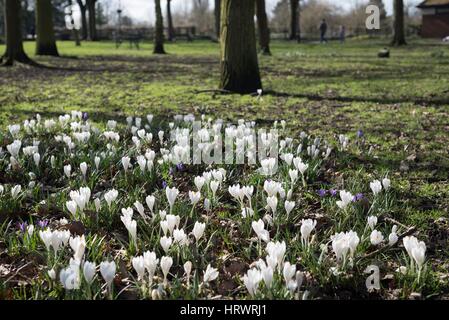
[84,27]
[294,6]
[239,66]
[262,27]
[217,10]
[171,31]
[13,30]
[159,36]
[398,24]
[92,20]
[298,37]
[45,42]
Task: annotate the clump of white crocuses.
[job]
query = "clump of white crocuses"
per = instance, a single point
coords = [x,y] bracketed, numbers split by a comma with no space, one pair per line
[416,251]
[344,245]
[54,239]
[130,225]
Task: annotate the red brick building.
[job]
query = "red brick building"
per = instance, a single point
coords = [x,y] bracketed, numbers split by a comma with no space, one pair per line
[435,18]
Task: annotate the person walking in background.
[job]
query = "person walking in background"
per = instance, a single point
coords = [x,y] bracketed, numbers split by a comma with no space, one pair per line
[342,34]
[323,29]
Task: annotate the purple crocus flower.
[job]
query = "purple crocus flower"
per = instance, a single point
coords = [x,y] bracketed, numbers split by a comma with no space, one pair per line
[180,166]
[23,226]
[359,133]
[85,116]
[42,223]
[358,197]
[322,193]
[333,192]
[164,184]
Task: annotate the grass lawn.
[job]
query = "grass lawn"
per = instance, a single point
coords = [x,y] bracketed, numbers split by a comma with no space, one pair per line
[400,104]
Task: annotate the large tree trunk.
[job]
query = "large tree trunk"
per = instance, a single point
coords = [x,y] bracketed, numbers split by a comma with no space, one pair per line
[294,10]
[83,11]
[45,42]
[262,26]
[92,20]
[159,36]
[217,10]
[171,31]
[13,29]
[239,67]
[398,24]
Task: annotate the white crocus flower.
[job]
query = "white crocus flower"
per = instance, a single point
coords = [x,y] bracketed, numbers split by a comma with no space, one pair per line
[346,198]
[110,197]
[289,205]
[166,263]
[15,191]
[67,170]
[376,187]
[267,275]
[210,274]
[52,274]
[272,203]
[372,221]
[150,200]
[198,230]
[70,277]
[89,270]
[393,237]
[36,159]
[107,270]
[83,168]
[259,229]
[30,230]
[376,237]
[199,182]
[288,271]
[78,245]
[276,253]
[14,148]
[166,242]
[251,280]
[214,187]
[386,183]
[187,269]
[150,262]
[307,226]
[293,175]
[72,207]
[46,237]
[97,203]
[139,266]
[194,197]
[247,212]
[131,226]
[180,237]
[140,209]
[126,163]
[171,194]
[97,162]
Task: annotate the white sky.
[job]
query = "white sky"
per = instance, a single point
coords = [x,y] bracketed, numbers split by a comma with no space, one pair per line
[142,11]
